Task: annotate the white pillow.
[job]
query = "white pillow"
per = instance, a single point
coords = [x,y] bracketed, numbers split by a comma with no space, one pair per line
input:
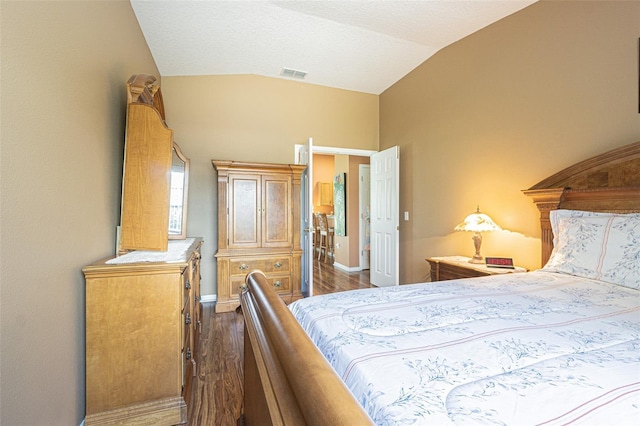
[602,246]
[556,215]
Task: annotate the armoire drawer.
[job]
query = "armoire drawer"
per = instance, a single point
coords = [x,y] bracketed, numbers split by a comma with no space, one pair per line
[276,264]
[282,283]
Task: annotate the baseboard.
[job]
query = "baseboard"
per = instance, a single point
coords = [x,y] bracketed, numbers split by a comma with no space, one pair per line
[346,268]
[206,298]
[167,411]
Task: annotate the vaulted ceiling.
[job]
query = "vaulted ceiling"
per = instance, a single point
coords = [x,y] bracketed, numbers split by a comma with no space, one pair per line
[361,45]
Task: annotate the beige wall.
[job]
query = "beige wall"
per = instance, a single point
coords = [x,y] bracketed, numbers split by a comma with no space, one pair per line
[253,118]
[64,66]
[499,111]
[353,209]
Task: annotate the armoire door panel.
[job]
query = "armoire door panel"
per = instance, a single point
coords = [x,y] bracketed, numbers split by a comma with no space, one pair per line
[244,212]
[277,214]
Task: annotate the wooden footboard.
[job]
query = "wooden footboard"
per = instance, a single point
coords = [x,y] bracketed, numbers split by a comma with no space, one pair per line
[287,380]
[609,182]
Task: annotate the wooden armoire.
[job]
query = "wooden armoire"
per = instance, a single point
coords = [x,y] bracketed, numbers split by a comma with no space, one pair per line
[258,228]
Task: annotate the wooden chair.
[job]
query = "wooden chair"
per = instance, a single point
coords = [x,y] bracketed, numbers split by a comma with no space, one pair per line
[316,233]
[325,244]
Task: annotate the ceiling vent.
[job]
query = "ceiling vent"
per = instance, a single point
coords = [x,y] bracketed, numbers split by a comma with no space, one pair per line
[291,73]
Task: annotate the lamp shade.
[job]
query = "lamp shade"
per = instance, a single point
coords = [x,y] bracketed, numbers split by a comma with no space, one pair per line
[477,222]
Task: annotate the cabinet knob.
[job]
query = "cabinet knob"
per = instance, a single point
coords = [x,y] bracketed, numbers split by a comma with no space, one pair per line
[277,284]
[187,285]
[187,319]
[244,266]
[188,353]
[277,265]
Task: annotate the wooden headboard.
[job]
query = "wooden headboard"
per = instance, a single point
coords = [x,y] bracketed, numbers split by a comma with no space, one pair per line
[608,182]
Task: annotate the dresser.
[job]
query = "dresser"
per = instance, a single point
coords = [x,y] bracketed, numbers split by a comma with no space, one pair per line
[142,328]
[258,228]
[454,267]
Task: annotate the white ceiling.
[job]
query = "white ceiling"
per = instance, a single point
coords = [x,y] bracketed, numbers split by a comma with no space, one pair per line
[361,45]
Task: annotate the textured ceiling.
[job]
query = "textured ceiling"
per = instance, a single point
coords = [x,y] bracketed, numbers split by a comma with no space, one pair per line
[361,45]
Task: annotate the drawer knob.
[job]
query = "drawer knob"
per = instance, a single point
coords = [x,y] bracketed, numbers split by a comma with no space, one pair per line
[277,265]
[277,284]
[188,353]
[244,266]
[187,285]
[187,319]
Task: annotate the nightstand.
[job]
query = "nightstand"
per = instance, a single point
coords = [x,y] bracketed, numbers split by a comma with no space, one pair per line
[454,267]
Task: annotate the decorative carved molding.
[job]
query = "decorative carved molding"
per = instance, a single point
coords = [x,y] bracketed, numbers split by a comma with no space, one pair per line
[619,167]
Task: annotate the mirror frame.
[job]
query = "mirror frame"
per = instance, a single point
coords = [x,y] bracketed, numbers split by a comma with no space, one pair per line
[185,195]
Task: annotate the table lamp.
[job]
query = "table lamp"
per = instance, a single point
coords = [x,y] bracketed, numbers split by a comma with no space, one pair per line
[477,222]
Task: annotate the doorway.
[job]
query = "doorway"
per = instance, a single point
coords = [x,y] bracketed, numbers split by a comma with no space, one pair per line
[303,154]
[347,209]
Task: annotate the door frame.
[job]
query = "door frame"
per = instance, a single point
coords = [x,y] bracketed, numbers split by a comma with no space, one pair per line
[342,151]
[328,150]
[305,156]
[364,200]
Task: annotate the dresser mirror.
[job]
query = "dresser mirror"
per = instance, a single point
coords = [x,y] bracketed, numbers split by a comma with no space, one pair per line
[155,174]
[178,195]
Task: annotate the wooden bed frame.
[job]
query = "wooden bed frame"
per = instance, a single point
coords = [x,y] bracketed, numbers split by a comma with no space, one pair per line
[287,379]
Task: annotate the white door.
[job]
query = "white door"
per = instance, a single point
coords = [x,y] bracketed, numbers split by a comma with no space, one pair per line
[385,187]
[305,156]
[365,213]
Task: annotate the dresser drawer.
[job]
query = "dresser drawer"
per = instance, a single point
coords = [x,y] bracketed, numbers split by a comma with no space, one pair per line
[185,282]
[276,264]
[187,319]
[188,362]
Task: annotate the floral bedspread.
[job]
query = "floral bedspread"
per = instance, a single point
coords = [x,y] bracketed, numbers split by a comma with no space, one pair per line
[534,348]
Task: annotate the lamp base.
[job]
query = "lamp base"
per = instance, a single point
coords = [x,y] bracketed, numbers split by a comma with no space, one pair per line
[477,241]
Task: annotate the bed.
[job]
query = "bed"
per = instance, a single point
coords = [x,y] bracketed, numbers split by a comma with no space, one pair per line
[559,345]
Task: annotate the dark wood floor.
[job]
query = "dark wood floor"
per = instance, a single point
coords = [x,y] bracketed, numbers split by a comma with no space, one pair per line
[218,388]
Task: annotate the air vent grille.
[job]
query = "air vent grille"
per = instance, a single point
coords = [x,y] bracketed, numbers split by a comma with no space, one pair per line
[291,73]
